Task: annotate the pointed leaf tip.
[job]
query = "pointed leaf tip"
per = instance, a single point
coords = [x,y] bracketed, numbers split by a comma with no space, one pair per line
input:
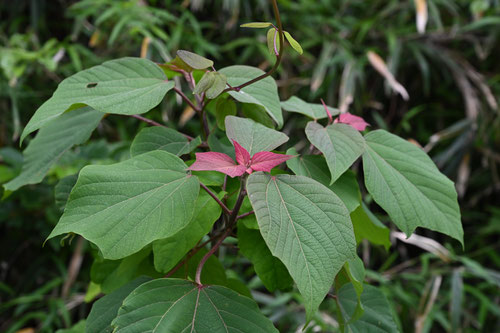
[213,161]
[242,155]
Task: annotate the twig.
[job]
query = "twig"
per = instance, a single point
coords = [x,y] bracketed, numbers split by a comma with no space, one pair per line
[147,121]
[186,99]
[209,253]
[244,215]
[74,267]
[223,206]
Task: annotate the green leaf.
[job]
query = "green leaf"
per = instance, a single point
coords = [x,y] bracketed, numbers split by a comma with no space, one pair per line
[123,86]
[206,81]
[307,227]
[270,269]
[51,142]
[258,114]
[253,136]
[224,108]
[377,315]
[256,25]
[160,138]
[405,182]
[172,305]
[63,189]
[168,251]
[77,328]
[293,43]
[340,144]
[366,228]
[217,87]
[271,35]
[193,60]
[263,92]
[106,308]
[315,167]
[314,111]
[125,206]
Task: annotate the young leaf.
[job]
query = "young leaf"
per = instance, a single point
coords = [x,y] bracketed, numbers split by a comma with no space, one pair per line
[265,160]
[352,120]
[106,308]
[122,86]
[307,227]
[256,25]
[273,41]
[52,141]
[253,136]
[315,111]
[168,251]
[340,144]
[125,206]
[217,162]
[205,83]
[377,315]
[219,84]
[263,92]
[270,270]
[172,305]
[405,182]
[224,108]
[160,138]
[194,61]
[293,43]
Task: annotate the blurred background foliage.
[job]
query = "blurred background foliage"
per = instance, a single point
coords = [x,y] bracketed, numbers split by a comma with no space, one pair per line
[450,73]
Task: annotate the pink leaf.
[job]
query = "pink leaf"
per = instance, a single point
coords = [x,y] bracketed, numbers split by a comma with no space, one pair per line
[213,161]
[265,160]
[355,121]
[242,155]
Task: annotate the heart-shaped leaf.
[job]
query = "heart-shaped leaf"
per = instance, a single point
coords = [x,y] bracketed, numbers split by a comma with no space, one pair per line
[125,206]
[263,92]
[55,138]
[307,227]
[172,305]
[340,144]
[123,86]
[405,182]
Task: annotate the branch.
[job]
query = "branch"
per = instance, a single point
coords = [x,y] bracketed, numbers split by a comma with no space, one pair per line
[209,253]
[278,58]
[244,215]
[212,194]
[147,121]
[186,99]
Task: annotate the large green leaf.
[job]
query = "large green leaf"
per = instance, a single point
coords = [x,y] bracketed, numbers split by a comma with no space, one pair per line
[315,111]
[340,144]
[270,269]
[125,206]
[55,138]
[315,167]
[162,138]
[170,250]
[263,92]
[253,136]
[172,305]
[405,182]
[122,86]
[307,227]
[377,315]
[105,309]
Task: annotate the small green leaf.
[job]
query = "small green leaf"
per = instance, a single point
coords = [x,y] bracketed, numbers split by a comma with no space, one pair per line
[307,227]
[224,108]
[256,25]
[314,111]
[193,60]
[125,206]
[341,145]
[160,138]
[377,315]
[217,87]
[253,136]
[106,308]
[123,86]
[263,92]
[270,269]
[405,182]
[205,83]
[272,35]
[173,305]
[52,141]
[295,45]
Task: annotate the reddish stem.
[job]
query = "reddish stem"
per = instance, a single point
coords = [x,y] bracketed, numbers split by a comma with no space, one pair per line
[212,194]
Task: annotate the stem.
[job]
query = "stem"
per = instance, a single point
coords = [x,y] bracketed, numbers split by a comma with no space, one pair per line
[239,202]
[147,121]
[186,99]
[224,207]
[209,253]
[244,215]
[278,58]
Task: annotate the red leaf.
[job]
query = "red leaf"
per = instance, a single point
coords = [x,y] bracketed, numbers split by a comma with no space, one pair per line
[213,161]
[265,160]
[355,121]
[242,155]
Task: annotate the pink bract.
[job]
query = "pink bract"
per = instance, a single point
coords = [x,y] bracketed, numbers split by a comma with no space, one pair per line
[350,119]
